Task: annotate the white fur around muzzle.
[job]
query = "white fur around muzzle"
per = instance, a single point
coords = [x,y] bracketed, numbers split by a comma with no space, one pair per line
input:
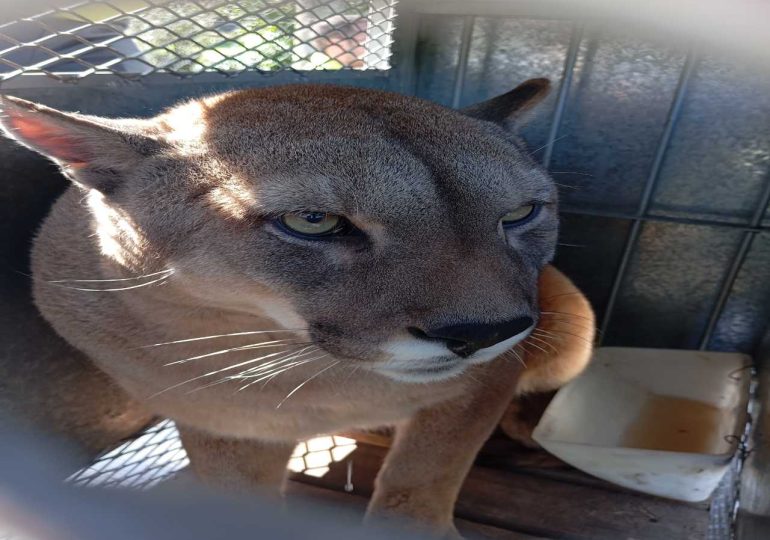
[415,360]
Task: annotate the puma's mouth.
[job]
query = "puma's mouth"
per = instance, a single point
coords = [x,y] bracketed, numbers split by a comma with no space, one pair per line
[436,369]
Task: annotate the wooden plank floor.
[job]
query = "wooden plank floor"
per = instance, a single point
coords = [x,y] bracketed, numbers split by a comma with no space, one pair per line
[514,493]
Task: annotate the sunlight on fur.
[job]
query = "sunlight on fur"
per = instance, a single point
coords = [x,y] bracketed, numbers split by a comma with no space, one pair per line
[233,200]
[185,126]
[119,238]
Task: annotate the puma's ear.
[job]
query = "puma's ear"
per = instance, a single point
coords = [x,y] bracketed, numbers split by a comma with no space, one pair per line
[92,151]
[509,109]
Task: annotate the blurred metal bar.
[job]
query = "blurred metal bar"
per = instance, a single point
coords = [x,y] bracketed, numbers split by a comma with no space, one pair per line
[405,38]
[462,60]
[665,139]
[649,187]
[566,82]
[696,222]
[737,263]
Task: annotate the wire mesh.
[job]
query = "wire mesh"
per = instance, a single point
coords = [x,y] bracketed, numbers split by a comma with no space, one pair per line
[153,456]
[156,455]
[134,38]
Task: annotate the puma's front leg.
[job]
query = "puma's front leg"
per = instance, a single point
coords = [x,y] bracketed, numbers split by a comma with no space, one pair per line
[240,465]
[433,451]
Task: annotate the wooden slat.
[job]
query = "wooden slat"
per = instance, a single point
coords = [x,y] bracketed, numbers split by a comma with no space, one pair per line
[543,506]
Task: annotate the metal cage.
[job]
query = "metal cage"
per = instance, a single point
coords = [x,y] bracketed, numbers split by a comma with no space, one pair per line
[663,161]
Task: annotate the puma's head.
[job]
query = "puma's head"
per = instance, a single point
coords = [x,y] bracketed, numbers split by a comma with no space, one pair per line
[401,234]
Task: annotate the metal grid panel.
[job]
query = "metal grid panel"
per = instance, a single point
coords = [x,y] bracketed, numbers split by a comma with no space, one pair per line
[642,210]
[134,38]
[156,455]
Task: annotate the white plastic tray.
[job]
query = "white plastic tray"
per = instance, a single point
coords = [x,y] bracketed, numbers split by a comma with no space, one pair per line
[663,422]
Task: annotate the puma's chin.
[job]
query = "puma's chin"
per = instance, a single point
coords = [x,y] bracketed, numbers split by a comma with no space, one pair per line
[438,369]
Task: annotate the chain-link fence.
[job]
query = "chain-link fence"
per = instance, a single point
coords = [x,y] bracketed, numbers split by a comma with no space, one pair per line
[133,38]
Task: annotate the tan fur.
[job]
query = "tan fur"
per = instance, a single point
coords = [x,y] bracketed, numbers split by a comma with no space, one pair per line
[190,193]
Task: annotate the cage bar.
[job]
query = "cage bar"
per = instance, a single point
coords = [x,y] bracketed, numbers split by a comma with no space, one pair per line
[649,187]
[735,266]
[469,22]
[561,99]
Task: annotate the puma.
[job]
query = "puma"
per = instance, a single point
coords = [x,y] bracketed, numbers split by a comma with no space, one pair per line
[266,265]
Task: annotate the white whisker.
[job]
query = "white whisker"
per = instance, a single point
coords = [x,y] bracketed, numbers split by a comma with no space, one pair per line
[541,147]
[274,373]
[215,336]
[167,271]
[292,356]
[544,342]
[277,367]
[211,373]
[518,357]
[567,314]
[54,284]
[546,333]
[554,334]
[265,344]
[576,325]
[270,378]
[350,375]
[300,385]
[534,345]
[209,385]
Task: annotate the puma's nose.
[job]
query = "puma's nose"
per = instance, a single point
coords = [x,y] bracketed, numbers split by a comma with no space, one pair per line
[467,338]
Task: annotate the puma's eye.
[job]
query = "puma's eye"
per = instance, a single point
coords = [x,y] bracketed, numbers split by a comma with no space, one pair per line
[520,216]
[312,224]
